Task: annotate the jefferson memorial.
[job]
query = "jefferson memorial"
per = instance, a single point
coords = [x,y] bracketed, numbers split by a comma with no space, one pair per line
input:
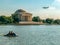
[23,15]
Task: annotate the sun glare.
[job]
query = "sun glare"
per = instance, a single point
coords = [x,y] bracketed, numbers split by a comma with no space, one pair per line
[57,0]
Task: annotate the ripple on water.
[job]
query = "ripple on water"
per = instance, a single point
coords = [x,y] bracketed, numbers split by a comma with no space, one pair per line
[31,35]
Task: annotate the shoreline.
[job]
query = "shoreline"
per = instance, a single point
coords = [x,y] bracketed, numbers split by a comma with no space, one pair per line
[29,23]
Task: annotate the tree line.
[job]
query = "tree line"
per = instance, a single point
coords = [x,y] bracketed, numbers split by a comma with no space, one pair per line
[14,19]
[46,21]
[8,19]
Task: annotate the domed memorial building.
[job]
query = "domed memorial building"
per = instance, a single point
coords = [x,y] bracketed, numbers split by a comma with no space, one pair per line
[22,15]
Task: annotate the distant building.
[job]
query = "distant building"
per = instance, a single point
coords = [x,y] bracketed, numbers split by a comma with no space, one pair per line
[23,15]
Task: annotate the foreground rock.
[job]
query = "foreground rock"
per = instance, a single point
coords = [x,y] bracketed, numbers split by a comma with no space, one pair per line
[10,34]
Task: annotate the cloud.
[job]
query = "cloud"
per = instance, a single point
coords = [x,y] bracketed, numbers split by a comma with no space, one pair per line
[57,0]
[56,4]
[52,8]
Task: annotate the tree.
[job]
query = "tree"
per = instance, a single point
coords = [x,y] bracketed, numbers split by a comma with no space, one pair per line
[9,19]
[6,20]
[57,21]
[49,21]
[44,21]
[36,19]
[15,18]
[2,19]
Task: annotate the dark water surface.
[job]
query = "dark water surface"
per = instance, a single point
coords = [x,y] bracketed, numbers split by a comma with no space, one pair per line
[31,35]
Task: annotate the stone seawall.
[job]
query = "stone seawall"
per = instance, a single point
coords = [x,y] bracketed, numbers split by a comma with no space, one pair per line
[30,23]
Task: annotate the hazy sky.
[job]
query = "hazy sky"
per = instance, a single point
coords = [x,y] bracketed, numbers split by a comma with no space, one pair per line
[7,7]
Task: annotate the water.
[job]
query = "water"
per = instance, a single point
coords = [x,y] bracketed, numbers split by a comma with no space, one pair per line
[31,35]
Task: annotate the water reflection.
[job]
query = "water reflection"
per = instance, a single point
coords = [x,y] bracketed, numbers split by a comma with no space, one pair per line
[31,35]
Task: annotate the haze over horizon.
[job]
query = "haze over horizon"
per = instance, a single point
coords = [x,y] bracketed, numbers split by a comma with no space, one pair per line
[8,7]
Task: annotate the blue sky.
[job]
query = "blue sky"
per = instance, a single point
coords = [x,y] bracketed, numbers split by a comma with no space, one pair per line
[7,7]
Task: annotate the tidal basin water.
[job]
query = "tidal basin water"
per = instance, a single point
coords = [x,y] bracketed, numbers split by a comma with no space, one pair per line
[31,35]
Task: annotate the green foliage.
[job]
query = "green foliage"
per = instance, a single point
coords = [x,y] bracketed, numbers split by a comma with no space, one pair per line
[36,19]
[15,18]
[57,21]
[2,18]
[9,19]
[5,20]
[44,21]
[49,21]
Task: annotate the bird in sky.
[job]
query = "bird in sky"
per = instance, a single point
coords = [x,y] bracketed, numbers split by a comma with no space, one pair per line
[45,7]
